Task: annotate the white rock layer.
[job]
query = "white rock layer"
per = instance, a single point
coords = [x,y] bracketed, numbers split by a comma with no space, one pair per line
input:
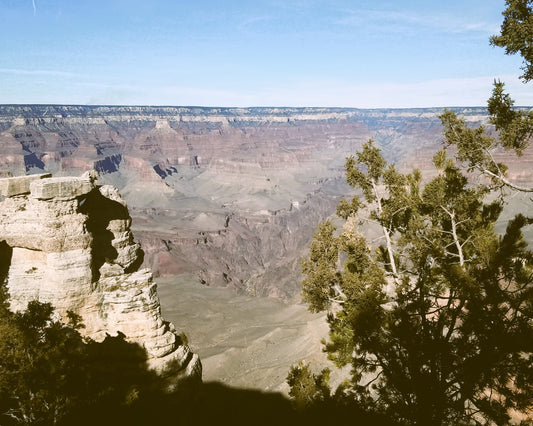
[68,241]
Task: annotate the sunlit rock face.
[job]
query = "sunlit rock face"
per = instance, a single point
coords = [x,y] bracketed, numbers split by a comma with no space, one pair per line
[230,194]
[158,142]
[67,241]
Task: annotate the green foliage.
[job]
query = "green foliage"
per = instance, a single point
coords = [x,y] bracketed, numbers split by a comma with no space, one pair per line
[49,373]
[516,33]
[435,316]
[41,365]
[320,268]
[308,388]
[515,126]
[476,150]
[474,147]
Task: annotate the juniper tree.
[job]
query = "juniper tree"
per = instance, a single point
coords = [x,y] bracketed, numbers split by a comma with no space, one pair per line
[435,315]
[514,126]
[516,33]
[51,375]
[43,367]
[436,320]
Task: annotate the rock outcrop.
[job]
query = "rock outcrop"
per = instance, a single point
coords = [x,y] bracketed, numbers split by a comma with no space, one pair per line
[67,241]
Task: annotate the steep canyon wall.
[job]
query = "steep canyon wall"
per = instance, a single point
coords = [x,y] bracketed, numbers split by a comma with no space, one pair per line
[231,194]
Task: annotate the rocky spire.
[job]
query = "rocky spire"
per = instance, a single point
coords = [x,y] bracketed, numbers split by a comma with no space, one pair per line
[67,241]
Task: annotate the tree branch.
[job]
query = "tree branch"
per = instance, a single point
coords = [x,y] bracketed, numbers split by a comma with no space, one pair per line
[454,234]
[339,292]
[503,180]
[386,234]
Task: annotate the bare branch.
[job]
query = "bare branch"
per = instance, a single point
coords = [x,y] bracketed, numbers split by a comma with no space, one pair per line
[375,378]
[455,238]
[386,234]
[339,292]
[503,180]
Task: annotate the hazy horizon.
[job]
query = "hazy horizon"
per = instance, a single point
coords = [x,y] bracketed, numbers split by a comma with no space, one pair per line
[251,107]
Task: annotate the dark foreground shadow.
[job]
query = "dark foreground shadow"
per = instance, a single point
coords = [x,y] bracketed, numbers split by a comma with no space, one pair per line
[50,376]
[216,404]
[6,252]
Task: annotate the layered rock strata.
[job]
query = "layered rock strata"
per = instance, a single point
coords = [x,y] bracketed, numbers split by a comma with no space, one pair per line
[185,170]
[257,254]
[67,241]
[156,143]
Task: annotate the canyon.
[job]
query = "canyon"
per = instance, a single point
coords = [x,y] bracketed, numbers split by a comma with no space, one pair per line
[224,197]
[232,195]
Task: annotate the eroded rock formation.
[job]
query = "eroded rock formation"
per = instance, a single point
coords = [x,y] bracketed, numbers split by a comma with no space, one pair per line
[185,170]
[67,241]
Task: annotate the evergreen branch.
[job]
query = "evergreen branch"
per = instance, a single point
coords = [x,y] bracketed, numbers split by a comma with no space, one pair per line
[454,318]
[449,253]
[494,162]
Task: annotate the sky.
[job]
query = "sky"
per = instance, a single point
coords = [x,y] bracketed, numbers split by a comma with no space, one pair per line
[242,53]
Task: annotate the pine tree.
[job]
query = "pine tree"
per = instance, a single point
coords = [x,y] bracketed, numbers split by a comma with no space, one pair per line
[43,366]
[475,149]
[50,374]
[434,315]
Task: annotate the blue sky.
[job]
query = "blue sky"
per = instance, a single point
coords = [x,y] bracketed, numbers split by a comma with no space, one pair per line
[366,54]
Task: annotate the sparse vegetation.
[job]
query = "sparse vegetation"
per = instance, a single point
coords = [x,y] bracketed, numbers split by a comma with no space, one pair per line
[434,317]
[50,375]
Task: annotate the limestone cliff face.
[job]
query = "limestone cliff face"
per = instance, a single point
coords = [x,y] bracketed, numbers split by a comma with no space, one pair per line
[67,241]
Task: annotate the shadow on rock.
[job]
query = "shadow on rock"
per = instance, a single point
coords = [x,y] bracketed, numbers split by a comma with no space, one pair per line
[101,211]
[6,253]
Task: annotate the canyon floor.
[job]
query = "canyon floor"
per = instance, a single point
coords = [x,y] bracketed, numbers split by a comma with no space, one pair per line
[245,342]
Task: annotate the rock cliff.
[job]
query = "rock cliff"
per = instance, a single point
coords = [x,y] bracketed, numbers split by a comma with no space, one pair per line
[230,194]
[256,253]
[67,241]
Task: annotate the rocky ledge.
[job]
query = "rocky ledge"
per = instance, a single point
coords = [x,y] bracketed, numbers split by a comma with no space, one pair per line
[67,241]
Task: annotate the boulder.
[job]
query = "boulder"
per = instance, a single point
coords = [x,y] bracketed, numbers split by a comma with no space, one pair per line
[61,188]
[9,187]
